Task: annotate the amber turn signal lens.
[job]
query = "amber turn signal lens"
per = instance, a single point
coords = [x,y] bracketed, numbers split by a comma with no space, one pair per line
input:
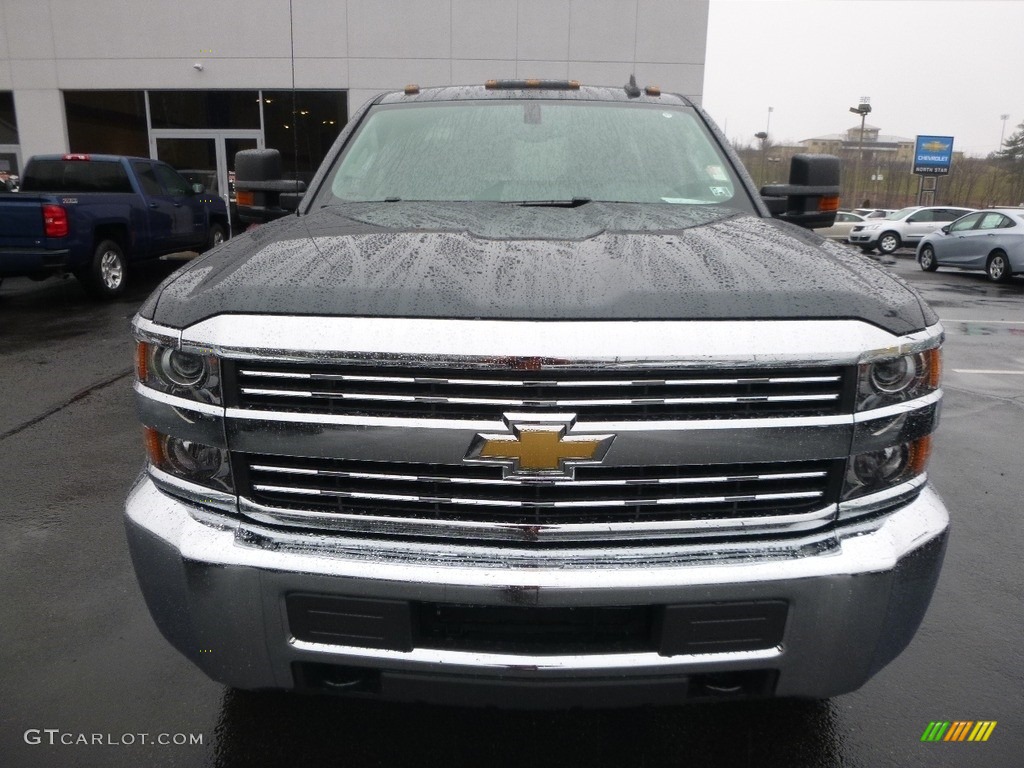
[934,357]
[142,361]
[920,452]
[154,445]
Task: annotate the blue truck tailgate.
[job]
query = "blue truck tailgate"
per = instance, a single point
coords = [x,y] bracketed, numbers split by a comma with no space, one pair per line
[21,221]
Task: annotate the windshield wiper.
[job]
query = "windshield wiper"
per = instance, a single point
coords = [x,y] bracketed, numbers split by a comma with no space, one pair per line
[575,202]
[336,203]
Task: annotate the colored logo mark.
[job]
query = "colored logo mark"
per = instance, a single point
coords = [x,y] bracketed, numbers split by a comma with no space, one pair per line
[542,450]
[958,730]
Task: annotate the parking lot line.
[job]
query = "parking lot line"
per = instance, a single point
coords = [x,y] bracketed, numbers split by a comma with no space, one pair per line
[986,371]
[987,322]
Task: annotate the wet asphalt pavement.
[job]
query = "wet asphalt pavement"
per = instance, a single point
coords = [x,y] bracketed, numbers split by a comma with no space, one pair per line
[81,661]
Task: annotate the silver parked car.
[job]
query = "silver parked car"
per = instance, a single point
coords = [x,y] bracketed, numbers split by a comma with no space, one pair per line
[904,227]
[990,240]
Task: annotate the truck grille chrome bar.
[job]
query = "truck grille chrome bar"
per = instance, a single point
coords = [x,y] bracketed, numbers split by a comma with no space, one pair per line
[428,496]
[653,394]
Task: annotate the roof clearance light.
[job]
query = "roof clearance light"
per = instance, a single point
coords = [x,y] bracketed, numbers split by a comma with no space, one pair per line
[553,85]
[412,89]
[652,90]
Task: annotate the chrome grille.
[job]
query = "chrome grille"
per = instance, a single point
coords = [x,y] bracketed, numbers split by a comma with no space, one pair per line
[477,494]
[485,393]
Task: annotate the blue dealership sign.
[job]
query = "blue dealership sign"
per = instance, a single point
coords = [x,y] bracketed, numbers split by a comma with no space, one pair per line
[933,155]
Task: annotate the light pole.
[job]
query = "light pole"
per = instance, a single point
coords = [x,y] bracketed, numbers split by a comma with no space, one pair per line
[1002,133]
[763,136]
[863,109]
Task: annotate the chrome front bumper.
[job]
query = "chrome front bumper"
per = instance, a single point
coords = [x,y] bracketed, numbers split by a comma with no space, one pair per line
[217,589]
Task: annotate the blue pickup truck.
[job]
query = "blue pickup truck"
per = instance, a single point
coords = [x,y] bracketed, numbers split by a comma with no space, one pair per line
[96,215]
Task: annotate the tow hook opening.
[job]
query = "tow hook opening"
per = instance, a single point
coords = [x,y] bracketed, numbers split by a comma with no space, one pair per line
[329,678]
[720,685]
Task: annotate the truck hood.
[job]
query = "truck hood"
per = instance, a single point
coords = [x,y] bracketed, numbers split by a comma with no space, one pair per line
[598,261]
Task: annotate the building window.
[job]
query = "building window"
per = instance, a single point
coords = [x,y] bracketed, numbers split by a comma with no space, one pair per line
[304,132]
[301,125]
[207,110]
[8,142]
[8,123]
[107,122]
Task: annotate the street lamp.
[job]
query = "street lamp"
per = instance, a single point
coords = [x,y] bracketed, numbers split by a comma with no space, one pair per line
[863,109]
[763,136]
[1002,133]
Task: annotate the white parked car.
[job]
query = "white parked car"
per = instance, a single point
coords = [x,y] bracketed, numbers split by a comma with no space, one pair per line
[840,230]
[874,213]
[992,240]
[904,227]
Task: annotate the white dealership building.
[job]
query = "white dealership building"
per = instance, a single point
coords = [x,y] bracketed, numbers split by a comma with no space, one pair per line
[193,81]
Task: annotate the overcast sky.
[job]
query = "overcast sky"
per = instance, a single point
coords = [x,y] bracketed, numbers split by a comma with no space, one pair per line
[939,67]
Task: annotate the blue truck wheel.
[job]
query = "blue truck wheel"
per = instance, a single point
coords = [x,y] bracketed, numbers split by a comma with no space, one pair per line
[106,275]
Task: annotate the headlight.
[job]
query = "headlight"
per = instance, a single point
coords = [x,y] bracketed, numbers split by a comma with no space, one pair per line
[892,448]
[177,372]
[190,461]
[875,471]
[892,376]
[897,379]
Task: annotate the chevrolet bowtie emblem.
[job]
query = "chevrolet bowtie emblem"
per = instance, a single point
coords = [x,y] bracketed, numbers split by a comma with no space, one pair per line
[540,449]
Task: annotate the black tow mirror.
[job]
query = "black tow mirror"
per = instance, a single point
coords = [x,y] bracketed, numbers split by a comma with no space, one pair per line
[289,201]
[944,230]
[811,198]
[260,193]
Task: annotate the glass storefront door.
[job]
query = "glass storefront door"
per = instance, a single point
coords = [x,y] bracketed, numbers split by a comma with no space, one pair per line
[10,166]
[205,157]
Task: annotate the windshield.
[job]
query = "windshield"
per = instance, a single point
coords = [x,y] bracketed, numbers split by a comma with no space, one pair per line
[902,213]
[534,151]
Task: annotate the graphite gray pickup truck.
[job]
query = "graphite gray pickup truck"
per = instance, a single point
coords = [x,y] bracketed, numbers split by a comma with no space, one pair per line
[531,402]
